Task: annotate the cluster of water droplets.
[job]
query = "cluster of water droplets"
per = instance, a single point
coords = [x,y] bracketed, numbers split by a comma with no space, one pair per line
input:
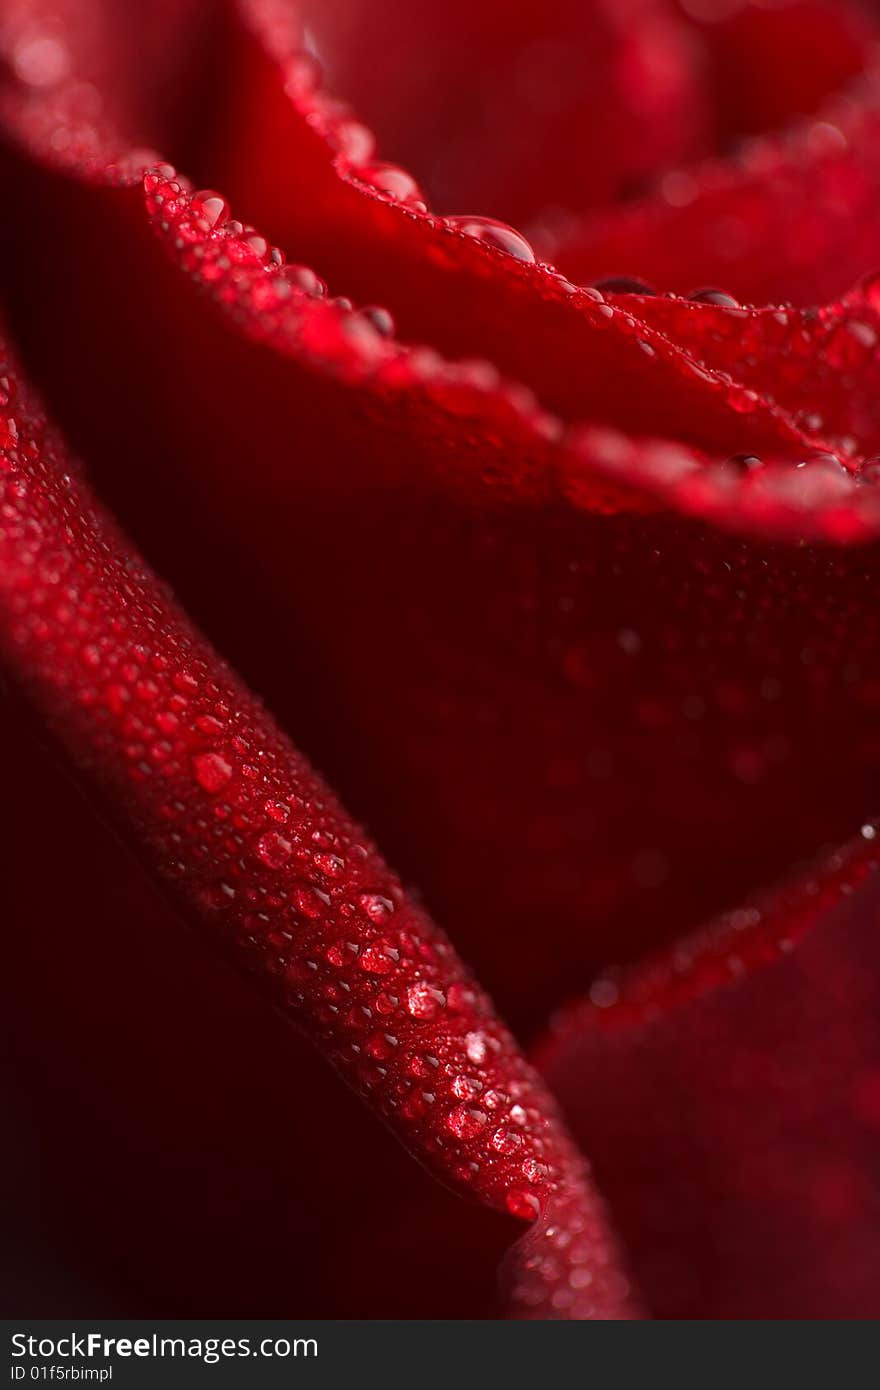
[227,257]
[259,851]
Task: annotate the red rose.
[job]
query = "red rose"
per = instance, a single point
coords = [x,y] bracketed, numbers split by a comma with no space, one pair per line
[565,579]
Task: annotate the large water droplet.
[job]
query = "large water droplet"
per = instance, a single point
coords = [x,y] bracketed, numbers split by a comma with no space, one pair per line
[209,209]
[273,850]
[506,1141]
[465,1121]
[720,298]
[212,771]
[497,234]
[391,179]
[743,463]
[301,277]
[423,1001]
[522,1204]
[379,959]
[623,284]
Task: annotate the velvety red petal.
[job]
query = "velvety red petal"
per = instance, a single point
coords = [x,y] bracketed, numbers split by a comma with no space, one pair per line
[767,64]
[587,676]
[792,214]
[251,844]
[617,717]
[506,109]
[731,1097]
[819,365]
[157,1104]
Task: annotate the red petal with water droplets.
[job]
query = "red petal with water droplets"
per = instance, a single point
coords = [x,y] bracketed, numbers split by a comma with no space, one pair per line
[730,1095]
[793,211]
[654,687]
[250,844]
[531,87]
[619,718]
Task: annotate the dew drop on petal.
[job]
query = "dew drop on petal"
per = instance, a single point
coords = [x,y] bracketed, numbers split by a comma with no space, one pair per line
[273,850]
[623,284]
[390,179]
[212,771]
[465,1121]
[209,208]
[720,298]
[302,278]
[424,1001]
[379,318]
[743,463]
[379,959]
[522,1204]
[496,234]
[506,1141]
[376,906]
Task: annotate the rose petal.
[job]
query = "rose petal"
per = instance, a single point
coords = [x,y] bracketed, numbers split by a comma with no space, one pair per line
[729,222]
[560,803]
[250,844]
[769,64]
[730,1095]
[503,109]
[161,1107]
[820,365]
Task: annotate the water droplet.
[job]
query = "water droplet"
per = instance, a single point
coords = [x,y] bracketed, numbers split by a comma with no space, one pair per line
[301,277]
[379,318]
[522,1204]
[273,850]
[475,1046]
[376,906]
[380,958]
[506,1141]
[720,298]
[497,234]
[465,1121]
[743,463]
[212,771]
[390,179]
[209,209]
[330,864]
[533,1171]
[466,1087]
[742,400]
[8,433]
[381,1046]
[423,1001]
[623,284]
[310,902]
